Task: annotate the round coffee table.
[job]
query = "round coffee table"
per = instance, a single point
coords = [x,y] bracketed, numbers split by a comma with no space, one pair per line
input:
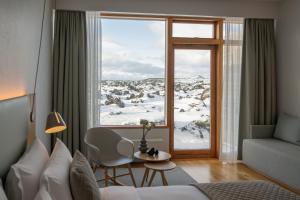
[160,167]
[159,163]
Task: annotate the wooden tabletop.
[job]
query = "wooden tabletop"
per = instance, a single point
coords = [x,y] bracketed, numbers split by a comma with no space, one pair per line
[162,156]
[161,166]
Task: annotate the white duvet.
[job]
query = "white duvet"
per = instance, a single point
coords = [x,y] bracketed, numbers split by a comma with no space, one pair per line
[152,193]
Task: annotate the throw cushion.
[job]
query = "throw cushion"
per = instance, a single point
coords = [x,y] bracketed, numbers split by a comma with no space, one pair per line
[55,178]
[288,129]
[23,179]
[82,179]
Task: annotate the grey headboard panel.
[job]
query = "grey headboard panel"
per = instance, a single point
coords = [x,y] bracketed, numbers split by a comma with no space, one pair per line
[14,125]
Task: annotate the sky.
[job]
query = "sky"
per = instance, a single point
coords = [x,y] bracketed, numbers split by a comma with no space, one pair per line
[135,50]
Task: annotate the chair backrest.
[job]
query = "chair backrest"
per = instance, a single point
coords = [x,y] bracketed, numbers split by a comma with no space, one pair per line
[106,141]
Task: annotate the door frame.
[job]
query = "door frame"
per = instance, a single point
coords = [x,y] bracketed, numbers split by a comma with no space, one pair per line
[196,152]
[216,46]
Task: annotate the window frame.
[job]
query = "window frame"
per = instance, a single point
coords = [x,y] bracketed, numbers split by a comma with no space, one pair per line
[216,42]
[120,16]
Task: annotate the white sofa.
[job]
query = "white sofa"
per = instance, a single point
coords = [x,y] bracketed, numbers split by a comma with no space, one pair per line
[272,157]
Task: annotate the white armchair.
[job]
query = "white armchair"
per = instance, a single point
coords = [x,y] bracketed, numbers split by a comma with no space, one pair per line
[102,149]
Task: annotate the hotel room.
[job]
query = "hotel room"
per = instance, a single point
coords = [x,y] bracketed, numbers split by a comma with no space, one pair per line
[146,100]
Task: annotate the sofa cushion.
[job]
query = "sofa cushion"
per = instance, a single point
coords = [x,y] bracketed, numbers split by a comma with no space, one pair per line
[288,129]
[274,158]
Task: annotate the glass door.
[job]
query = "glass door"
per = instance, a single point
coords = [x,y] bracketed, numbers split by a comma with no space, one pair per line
[194,100]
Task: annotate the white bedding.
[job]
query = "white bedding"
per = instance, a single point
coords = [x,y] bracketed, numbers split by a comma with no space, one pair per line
[152,193]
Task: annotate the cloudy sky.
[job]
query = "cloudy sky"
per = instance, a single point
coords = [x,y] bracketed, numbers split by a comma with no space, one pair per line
[135,49]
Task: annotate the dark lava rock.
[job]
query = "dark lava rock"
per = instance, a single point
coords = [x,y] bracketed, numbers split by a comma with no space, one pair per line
[150,95]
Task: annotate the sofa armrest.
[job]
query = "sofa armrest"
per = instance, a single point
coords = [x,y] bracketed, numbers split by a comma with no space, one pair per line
[261,131]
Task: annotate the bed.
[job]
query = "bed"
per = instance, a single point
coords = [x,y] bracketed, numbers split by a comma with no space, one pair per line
[14,123]
[152,193]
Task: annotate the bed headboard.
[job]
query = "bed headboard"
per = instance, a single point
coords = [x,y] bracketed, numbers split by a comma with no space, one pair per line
[14,125]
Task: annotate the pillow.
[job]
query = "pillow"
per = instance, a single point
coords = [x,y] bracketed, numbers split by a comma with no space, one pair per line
[2,193]
[23,178]
[288,129]
[55,178]
[42,195]
[82,179]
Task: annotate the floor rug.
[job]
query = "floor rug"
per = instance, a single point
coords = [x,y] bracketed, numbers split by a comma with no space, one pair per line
[174,177]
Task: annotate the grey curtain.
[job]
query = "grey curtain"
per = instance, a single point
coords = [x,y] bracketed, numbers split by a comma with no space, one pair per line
[69,76]
[258,81]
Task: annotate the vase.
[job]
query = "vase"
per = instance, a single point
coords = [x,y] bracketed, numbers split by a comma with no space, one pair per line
[143,145]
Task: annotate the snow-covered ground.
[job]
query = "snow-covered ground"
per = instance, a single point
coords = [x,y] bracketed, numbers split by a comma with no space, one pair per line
[125,102]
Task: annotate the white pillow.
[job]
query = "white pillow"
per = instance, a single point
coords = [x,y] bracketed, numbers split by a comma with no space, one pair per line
[42,195]
[55,178]
[2,193]
[23,179]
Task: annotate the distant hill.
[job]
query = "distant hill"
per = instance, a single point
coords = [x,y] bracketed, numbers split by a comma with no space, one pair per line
[161,79]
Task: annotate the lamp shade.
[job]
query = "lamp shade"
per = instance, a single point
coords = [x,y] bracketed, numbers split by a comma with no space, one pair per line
[55,123]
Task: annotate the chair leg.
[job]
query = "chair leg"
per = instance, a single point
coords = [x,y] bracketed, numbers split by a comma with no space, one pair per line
[106,176]
[114,176]
[152,177]
[94,168]
[131,174]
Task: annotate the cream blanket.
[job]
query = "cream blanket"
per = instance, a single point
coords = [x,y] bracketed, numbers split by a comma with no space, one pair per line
[175,192]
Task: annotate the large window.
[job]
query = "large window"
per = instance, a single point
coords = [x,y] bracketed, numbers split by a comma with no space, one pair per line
[164,69]
[133,71]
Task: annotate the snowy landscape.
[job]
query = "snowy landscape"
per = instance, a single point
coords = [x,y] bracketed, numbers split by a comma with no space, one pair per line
[125,102]
[132,83]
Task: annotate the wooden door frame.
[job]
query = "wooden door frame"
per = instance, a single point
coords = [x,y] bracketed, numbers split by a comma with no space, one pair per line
[215,45]
[213,86]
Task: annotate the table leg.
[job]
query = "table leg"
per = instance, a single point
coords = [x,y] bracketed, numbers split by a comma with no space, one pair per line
[145,177]
[131,174]
[163,178]
[152,177]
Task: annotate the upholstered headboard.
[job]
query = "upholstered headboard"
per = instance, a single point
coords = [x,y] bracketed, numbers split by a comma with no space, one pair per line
[14,125]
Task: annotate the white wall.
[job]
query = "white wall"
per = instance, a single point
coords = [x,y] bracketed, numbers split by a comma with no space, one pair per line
[288,54]
[234,8]
[20,25]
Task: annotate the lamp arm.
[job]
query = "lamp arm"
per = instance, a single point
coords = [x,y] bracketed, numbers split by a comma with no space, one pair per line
[37,65]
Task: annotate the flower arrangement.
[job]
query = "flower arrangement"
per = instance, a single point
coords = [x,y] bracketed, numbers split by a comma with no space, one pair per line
[147,126]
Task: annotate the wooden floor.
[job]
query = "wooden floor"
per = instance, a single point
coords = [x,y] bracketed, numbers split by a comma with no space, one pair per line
[213,170]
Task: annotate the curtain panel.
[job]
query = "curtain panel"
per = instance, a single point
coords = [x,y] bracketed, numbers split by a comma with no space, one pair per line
[94,67]
[232,60]
[258,86]
[69,76]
